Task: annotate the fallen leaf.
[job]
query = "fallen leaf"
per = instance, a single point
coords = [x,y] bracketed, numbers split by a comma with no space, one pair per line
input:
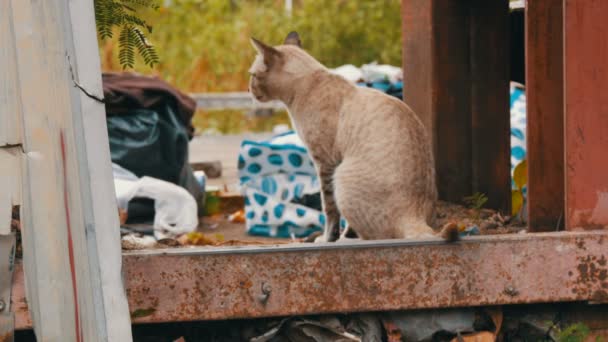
[496,314]
[237,217]
[199,239]
[122,216]
[520,174]
[142,312]
[483,336]
[517,201]
[393,333]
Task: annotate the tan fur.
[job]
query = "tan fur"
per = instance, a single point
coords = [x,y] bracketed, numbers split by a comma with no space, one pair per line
[371,151]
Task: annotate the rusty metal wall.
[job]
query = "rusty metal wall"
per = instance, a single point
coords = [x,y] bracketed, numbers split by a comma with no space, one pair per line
[586,113]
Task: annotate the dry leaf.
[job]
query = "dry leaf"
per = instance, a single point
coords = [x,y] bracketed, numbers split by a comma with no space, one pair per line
[520,174]
[496,314]
[393,333]
[238,216]
[483,336]
[122,216]
[198,239]
[517,201]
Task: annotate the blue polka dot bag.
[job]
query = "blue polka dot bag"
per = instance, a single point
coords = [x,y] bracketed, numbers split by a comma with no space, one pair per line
[275,176]
[518,127]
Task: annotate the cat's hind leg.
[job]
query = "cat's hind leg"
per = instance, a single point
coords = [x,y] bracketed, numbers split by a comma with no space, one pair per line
[328,202]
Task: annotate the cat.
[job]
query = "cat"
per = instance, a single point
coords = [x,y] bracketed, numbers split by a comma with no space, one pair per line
[370,150]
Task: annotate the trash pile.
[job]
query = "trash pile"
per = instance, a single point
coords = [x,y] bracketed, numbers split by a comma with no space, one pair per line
[149,127]
[383,77]
[488,324]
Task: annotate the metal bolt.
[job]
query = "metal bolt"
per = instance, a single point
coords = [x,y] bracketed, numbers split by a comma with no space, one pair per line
[2,305]
[511,291]
[266,289]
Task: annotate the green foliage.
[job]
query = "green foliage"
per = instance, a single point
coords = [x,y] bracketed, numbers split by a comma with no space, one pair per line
[122,14]
[205,43]
[476,201]
[236,122]
[577,332]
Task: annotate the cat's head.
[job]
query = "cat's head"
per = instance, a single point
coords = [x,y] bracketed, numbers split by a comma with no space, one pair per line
[276,68]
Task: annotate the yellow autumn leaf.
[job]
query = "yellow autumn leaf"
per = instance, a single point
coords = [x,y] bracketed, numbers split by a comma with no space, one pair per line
[520,174]
[517,201]
[219,237]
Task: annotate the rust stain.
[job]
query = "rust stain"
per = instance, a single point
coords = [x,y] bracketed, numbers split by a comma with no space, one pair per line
[7,337]
[592,277]
[77,327]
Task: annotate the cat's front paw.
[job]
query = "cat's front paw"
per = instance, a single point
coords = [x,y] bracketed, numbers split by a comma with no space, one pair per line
[321,238]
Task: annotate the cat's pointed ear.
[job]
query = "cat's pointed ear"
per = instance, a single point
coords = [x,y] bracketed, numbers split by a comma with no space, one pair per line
[269,53]
[293,38]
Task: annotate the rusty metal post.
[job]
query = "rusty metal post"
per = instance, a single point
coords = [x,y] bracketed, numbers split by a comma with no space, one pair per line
[456,80]
[586,113]
[490,123]
[436,86]
[545,114]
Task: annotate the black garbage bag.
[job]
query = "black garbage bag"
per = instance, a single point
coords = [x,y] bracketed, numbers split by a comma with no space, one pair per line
[149,143]
[155,144]
[149,127]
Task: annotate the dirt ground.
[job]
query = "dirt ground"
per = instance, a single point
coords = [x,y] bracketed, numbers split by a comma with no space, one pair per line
[219,230]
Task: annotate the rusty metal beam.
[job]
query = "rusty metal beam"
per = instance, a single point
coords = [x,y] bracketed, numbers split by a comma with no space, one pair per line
[545,114]
[226,283]
[586,113]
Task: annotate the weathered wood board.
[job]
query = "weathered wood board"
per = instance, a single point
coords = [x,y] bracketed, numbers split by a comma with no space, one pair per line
[58,167]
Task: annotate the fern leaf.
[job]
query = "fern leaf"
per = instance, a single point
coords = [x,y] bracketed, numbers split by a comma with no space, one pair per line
[126,54]
[122,13]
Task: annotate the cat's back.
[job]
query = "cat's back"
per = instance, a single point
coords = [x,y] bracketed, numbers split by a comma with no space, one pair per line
[373,108]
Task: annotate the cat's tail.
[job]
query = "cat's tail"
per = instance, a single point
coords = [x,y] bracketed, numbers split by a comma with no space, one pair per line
[450,232]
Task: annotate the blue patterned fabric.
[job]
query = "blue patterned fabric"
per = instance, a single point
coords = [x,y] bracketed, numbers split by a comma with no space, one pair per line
[275,175]
[393,89]
[518,128]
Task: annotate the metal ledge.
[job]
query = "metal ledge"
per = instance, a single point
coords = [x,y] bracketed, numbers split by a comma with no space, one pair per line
[234,100]
[227,283]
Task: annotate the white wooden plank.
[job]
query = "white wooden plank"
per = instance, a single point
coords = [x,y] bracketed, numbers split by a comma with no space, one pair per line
[75,292]
[103,227]
[10,108]
[10,185]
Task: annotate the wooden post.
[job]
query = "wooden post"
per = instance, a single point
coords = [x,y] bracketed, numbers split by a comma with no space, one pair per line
[72,253]
[586,113]
[456,80]
[545,114]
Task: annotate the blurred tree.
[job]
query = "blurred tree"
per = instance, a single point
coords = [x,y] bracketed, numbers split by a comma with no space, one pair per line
[122,14]
[204,44]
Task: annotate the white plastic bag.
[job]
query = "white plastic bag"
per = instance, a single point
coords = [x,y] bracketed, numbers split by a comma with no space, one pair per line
[175,209]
